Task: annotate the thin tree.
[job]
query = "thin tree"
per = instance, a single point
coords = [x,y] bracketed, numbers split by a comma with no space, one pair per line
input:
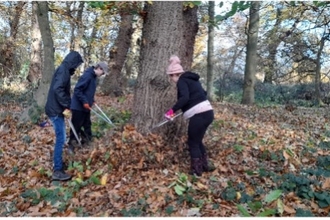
[35,63]
[210,51]
[113,83]
[251,54]
[40,95]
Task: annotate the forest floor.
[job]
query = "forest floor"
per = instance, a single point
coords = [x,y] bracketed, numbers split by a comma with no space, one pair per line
[269,162]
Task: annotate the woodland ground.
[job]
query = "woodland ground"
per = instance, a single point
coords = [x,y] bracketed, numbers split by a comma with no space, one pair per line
[269,162]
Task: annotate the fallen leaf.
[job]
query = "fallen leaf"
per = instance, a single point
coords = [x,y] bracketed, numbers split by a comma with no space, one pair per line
[326,184]
[289,210]
[104,179]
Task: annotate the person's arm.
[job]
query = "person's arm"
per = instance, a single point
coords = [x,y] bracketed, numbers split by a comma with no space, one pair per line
[61,81]
[183,95]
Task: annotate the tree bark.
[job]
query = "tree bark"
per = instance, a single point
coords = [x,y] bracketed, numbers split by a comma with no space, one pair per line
[76,39]
[168,29]
[318,72]
[114,82]
[210,52]
[88,48]
[34,111]
[9,46]
[274,42]
[251,55]
[35,63]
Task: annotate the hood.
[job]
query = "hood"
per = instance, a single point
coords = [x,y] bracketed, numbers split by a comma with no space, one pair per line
[190,75]
[72,61]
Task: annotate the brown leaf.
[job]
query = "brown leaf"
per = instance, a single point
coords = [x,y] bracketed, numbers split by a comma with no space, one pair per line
[326,184]
[289,210]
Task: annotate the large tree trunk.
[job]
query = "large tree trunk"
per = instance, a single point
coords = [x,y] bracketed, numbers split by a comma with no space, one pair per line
[34,111]
[114,82]
[35,63]
[210,52]
[251,54]
[167,30]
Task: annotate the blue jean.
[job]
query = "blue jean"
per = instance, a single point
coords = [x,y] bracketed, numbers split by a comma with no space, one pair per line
[59,128]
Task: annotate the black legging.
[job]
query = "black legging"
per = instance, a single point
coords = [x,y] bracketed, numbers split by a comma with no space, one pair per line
[81,119]
[197,127]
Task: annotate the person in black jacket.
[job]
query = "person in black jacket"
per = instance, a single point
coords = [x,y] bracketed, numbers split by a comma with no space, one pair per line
[82,100]
[192,100]
[58,106]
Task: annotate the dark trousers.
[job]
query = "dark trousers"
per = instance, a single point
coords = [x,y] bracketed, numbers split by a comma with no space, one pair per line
[197,127]
[81,119]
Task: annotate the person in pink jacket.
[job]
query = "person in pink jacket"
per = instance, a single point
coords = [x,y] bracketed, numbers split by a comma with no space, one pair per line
[192,100]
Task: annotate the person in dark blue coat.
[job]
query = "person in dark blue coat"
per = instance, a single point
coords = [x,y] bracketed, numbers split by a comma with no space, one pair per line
[58,106]
[81,102]
[192,100]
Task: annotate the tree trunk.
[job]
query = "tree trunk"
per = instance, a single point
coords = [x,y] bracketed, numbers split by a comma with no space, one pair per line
[273,42]
[210,52]
[251,55]
[34,111]
[168,29]
[89,44]
[80,32]
[131,65]
[318,72]
[9,46]
[114,82]
[76,39]
[35,63]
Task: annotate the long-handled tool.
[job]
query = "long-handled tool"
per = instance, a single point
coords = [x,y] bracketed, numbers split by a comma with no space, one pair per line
[103,113]
[166,120]
[104,117]
[74,131]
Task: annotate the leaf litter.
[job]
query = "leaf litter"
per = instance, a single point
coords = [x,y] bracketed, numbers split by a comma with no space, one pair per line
[125,173]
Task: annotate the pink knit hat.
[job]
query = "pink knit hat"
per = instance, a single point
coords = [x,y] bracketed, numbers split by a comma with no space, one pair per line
[174,66]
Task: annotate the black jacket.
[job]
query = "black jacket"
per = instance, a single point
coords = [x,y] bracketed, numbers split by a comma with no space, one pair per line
[84,90]
[58,98]
[190,92]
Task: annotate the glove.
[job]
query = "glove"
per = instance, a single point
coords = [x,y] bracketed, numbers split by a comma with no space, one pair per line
[86,106]
[67,113]
[169,114]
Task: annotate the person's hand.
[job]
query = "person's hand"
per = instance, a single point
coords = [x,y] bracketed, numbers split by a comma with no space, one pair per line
[67,113]
[86,106]
[169,114]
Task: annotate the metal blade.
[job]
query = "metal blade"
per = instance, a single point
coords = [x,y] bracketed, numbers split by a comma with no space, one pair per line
[101,117]
[166,120]
[103,113]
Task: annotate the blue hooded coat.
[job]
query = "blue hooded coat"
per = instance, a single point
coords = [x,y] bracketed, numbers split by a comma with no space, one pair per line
[84,90]
[58,98]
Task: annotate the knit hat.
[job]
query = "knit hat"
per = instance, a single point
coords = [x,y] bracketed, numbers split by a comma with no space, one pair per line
[104,66]
[175,65]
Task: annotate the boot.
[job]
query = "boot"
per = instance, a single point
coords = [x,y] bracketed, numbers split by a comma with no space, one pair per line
[196,166]
[85,141]
[207,167]
[60,175]
[72,144]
